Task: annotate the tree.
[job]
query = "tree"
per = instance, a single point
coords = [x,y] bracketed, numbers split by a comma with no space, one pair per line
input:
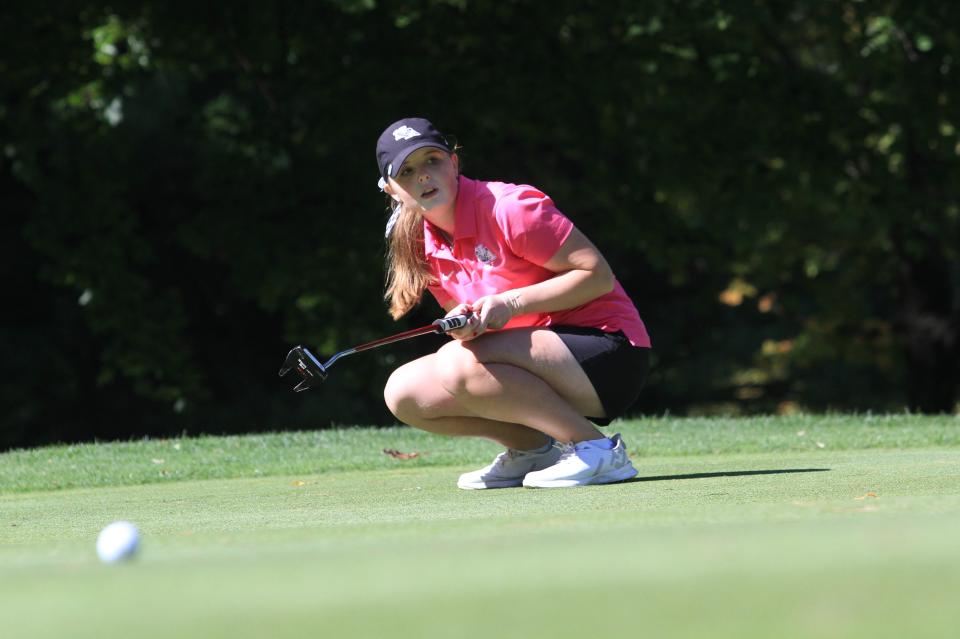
[188,191]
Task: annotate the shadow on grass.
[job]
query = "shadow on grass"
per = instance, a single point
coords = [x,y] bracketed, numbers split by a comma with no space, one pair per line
[730,473]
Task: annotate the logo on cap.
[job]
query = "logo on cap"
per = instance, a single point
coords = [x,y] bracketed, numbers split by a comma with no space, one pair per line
[404,133]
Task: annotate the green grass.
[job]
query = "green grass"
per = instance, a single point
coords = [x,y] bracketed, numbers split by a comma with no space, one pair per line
[315,452]
[837,526]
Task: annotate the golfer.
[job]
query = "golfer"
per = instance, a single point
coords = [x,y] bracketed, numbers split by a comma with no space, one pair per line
[554,345]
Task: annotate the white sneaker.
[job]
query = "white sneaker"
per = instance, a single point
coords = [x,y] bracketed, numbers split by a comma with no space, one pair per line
[509,469]
[585,463]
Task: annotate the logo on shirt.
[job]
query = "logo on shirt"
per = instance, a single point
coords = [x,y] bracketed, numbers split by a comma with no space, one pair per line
[484,254]
[404,133]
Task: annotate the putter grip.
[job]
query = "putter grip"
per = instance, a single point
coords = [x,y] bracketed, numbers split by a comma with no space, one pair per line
[451,323]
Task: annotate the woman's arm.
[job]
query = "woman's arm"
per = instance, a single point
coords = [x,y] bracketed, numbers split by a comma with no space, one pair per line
[582,275]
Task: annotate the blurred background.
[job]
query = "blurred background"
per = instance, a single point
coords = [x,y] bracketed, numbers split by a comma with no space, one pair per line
[189,189]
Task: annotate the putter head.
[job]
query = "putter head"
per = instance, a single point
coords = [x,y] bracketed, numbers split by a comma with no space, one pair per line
[308,367]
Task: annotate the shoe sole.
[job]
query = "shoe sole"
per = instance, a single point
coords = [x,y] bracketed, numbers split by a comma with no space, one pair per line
[620,474]
[516,482]
[511,483]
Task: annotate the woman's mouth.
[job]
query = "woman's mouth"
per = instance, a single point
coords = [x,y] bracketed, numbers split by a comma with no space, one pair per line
[429,193]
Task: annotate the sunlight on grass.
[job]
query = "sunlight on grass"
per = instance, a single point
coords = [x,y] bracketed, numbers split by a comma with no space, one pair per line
[776,527]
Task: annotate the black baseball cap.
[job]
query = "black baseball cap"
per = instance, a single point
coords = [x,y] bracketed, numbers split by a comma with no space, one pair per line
[402,138]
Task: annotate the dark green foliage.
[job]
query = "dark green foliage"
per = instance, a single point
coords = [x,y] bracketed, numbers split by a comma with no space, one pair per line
[189,189]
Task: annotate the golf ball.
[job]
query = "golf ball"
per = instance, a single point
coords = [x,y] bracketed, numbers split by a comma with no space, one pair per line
[118,542]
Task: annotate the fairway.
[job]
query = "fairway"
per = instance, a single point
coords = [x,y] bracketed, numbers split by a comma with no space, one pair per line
[817,527]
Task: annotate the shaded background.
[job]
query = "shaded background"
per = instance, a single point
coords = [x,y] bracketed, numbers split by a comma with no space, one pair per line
[188,190]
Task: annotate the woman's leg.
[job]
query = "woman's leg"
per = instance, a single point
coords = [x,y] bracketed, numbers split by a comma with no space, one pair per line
[415,398]
[511,386]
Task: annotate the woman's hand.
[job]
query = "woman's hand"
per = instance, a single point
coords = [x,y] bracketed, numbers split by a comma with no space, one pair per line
[490,312]
[467,332]
[494,311]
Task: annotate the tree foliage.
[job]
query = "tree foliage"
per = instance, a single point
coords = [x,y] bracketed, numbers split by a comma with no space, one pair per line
[189,189]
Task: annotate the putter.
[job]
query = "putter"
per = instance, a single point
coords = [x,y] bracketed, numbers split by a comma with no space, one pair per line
[313,372]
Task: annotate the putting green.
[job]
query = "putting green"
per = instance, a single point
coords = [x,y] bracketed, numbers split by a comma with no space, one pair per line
[854,543]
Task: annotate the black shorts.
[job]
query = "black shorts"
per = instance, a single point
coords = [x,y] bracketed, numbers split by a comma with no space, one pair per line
[616,368]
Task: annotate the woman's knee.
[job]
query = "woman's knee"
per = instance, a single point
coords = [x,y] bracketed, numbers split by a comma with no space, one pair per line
[412,392]
[399,393]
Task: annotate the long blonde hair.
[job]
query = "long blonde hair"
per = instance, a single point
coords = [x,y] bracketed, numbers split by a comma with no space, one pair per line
[408,273]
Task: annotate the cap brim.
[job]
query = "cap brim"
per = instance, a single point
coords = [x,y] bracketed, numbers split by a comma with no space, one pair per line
[404,154]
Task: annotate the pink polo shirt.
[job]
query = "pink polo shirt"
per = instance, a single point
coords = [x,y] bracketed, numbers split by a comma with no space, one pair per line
[503,234]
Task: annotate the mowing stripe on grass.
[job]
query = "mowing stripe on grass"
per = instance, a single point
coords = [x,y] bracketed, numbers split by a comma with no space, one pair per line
[289,453]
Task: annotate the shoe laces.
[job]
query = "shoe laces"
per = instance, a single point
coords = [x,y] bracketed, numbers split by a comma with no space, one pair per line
[567,450]
[507,456]
[513,453]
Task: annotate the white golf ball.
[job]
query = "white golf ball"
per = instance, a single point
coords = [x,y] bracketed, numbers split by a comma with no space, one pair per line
[117,542]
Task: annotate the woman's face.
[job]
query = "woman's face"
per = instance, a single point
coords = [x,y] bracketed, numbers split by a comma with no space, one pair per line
[427,180]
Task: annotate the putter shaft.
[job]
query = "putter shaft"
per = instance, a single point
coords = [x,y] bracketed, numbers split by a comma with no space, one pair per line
[313,372]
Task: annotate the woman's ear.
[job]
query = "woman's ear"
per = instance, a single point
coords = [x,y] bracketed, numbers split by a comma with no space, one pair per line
[456,162]
[389,191]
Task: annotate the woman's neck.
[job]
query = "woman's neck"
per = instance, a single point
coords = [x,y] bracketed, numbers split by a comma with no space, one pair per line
[442,218]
